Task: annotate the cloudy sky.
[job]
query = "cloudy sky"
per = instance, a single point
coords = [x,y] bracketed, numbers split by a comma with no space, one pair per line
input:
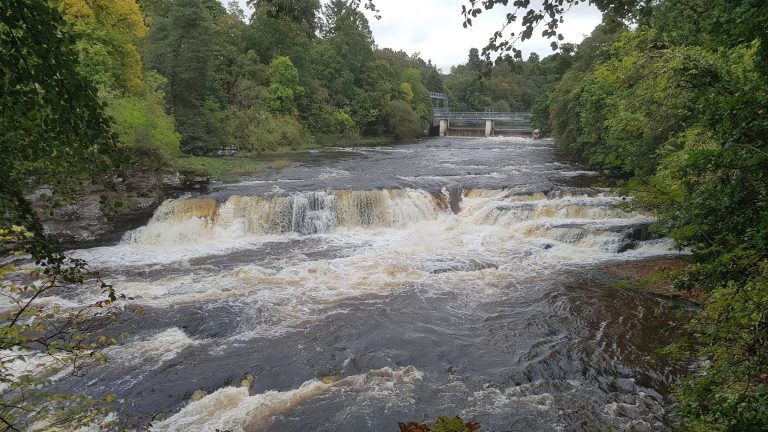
[434,29]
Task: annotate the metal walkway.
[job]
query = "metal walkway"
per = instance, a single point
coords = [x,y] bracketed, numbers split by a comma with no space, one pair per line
[443,112]
[524,117]
[463,122]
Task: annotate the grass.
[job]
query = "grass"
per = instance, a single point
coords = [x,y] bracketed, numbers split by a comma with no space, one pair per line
[279,164]
[221,169]
[244,163]
[280,151]
[353,140]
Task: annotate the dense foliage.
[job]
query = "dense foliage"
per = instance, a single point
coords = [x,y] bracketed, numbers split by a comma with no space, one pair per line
[680,103]
[54,134]
[293,72]
[506,85]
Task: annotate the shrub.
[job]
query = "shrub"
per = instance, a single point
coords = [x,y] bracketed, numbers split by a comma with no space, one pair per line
[401,121]
[142,123]
[342,122]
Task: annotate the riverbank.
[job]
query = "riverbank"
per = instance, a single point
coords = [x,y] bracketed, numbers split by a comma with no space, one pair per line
[231,167]
[654,275]
[101,216]
[87,223]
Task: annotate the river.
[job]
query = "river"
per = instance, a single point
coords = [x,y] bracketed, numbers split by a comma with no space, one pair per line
[364,286]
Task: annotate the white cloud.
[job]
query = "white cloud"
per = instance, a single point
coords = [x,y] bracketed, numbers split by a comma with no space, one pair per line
[434,29]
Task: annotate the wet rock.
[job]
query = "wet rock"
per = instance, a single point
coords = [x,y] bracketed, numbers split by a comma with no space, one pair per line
[89,222]
[625,385]
[627,246]
[329,379]
[640,233]
[197,395]
[247,381]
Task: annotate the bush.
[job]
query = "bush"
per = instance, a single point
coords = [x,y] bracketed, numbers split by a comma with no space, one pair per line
[501,106]
[283,132]
[142,123]
[732,394]
[260,131]
[690,123]
[342,122]
[281,99]
[401,121]
[284,87]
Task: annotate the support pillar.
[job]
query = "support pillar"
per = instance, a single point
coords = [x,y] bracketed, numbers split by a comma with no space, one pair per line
[488,128]
[444,127]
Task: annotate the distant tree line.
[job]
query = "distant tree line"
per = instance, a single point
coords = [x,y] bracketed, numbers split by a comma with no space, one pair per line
[193,76]
[506,85]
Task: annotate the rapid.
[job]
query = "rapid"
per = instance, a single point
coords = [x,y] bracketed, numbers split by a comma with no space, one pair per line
[360,287]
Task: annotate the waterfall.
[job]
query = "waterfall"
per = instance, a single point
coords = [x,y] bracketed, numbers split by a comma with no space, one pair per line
[572,218]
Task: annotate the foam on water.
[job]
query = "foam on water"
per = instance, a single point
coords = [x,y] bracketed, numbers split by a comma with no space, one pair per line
[638,411]
[186,228]
[232,408]
[143,355]
[391,240]
[189,221]
[152,352]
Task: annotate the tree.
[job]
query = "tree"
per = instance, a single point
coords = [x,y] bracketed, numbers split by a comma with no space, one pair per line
[420,101]
[271,37]
[375,92]
[107,32]
[284,86]
[348,32]
[141,122]
[234,9]
[299,12]
[181,47]
[55,134]
[401,121]
[679,103]
[331,12]
[474,63]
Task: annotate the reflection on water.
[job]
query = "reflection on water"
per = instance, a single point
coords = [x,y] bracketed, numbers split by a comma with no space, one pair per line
[362,287]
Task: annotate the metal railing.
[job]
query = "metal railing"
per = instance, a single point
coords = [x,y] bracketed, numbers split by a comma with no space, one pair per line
[445,114]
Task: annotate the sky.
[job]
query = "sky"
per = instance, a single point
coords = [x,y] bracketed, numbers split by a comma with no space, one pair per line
[434,29]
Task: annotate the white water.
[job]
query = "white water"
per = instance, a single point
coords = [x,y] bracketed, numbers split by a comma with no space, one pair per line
[389,240]
[186,228]
[232,408]
[293,272]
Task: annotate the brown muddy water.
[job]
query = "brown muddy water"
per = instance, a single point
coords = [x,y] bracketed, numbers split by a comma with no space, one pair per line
[365,286]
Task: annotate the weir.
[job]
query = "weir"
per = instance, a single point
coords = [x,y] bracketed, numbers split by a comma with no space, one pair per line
[481,124]
[566,218]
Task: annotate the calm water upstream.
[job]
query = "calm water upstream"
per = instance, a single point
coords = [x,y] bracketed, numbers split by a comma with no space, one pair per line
[362,287]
